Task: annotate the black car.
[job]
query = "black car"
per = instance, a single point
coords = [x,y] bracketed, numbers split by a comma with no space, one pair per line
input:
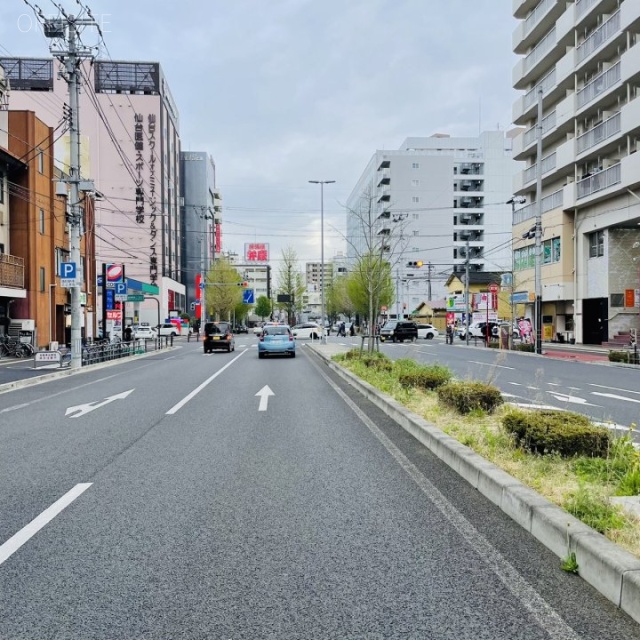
[399,331]
[218,335]
[240,328]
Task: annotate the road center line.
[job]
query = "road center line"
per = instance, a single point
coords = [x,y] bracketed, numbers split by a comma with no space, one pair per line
[198,389]
[602,386]
[539,609]
[30,530]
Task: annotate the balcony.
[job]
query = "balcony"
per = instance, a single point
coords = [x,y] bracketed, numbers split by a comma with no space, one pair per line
[549,203]
[548,164]
[599,85]
[542,48]
[603,33]
[582,6]
[11,271]
[384,178]
[599,181]
[600,133]
[531,135]
[384,195]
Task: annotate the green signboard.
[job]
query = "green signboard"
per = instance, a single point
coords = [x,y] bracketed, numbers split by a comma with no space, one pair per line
[135,297]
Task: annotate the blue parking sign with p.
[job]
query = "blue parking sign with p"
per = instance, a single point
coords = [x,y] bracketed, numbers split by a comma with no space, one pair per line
[68,270]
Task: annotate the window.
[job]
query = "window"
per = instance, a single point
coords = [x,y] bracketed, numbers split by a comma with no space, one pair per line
[415,165]
[415,216]
[596,244]
[415,183]
[40,161]
[617,300]
[415,199]
[41,221]
[416,232]
[551,251]
[42,279]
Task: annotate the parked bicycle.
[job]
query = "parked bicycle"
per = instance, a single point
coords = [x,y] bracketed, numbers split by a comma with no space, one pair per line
[15,348]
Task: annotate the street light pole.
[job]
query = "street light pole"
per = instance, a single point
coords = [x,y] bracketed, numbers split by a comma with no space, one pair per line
[513,201]
[322,183]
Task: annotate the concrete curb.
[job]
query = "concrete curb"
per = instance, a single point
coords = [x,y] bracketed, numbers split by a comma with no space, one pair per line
[614,572]
[64,373]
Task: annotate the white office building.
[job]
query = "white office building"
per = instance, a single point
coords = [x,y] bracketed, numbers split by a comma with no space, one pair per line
[581,60]
[436,200]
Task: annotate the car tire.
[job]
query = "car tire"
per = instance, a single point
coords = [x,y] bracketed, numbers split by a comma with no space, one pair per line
[260,355]
[293,354]
[314,336]
[429,336]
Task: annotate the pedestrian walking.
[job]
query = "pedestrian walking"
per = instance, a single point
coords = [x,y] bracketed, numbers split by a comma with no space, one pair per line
[342,330]
[449,335]
[352,330]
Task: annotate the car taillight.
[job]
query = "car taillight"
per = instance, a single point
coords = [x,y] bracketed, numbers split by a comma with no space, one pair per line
[290,338]
[262,337]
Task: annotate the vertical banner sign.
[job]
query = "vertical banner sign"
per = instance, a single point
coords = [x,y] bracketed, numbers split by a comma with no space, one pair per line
[139,148]
[153,257]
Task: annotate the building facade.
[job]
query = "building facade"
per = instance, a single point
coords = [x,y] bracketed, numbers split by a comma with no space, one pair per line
[437,200]
[201,213]
[581,62]
[130,147]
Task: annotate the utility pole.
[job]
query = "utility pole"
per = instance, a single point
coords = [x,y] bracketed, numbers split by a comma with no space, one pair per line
[538,246]
[66,29]
[466,292]
[429,282]
[513,201]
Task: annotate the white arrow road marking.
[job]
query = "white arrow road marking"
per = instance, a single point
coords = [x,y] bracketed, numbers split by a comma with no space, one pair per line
[614,396]
[572,399]
[83,409]
[264,394]
[27,532]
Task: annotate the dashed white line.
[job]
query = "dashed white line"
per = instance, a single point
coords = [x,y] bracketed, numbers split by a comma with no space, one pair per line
[614,396]
[601,386]
[30,530]
[491,364]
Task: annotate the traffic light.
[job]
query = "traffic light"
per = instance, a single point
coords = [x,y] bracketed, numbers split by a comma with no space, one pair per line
[416,264]
[244,284]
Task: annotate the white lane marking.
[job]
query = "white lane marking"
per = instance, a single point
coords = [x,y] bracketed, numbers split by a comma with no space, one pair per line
[198,389]
[264,394]
[88,407]
[553,384]
[614,396]
[571,399]
[491,364]
[532,405]
[539,609]
[516,384]
[601,386]
[30,530]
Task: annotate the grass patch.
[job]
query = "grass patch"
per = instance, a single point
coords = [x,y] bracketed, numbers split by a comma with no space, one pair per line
[581,484]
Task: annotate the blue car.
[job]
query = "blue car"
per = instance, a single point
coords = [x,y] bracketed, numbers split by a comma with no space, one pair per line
[276,339]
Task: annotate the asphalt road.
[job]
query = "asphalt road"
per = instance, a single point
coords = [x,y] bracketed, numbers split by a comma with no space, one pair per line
[606,393]
[202,510]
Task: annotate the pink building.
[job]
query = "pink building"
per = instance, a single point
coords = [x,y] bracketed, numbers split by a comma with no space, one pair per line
[130,147]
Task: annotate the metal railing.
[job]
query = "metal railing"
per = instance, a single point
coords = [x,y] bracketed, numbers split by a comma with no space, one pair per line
[11,271]
[547,83]
[549,203]
[548,164]
[548,123]
[536,15]
[603,33]
[582,6]
[93,353]
[599,85]
[542,48]
[601,132]
[599,181]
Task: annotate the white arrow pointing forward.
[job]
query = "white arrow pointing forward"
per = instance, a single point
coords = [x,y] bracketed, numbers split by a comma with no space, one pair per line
[264,394]
[83,409]
[571,399]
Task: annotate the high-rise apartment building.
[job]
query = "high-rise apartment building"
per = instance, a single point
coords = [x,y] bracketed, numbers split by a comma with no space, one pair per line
[438,200]
[130,147]
[581,60]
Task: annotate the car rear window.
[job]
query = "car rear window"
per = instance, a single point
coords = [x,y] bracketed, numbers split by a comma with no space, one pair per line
[276,331]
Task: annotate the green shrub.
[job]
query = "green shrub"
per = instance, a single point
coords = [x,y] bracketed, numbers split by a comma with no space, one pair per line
[594,510]
[618,356]
[550,430]
[430,377]
[467,396]
[377,363]
[629,484]
[529,348]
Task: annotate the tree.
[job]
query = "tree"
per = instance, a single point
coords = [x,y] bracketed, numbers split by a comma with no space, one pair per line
[223,292]
[337,299]
[291,284]
[263,307]
[377,244]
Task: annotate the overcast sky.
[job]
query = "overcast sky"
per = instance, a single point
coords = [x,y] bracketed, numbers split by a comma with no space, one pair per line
[280,92]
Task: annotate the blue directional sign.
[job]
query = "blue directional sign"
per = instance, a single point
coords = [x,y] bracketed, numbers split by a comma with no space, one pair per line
[68,272]
[248,296]
[202,285]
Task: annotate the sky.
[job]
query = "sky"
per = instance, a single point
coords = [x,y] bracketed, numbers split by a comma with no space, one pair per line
[280,92]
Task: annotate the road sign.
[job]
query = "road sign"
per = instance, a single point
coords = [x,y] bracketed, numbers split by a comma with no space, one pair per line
[120,289]
[248,296]
[202,285]
[493,288]
[68,273]
[135,297]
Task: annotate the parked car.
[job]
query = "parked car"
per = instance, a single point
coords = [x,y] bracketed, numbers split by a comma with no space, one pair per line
[427,331]
[143,332]
[399,331]
[167,329]
[479,330]
[276,339]
[218,335]
[308,330]
[257,330]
